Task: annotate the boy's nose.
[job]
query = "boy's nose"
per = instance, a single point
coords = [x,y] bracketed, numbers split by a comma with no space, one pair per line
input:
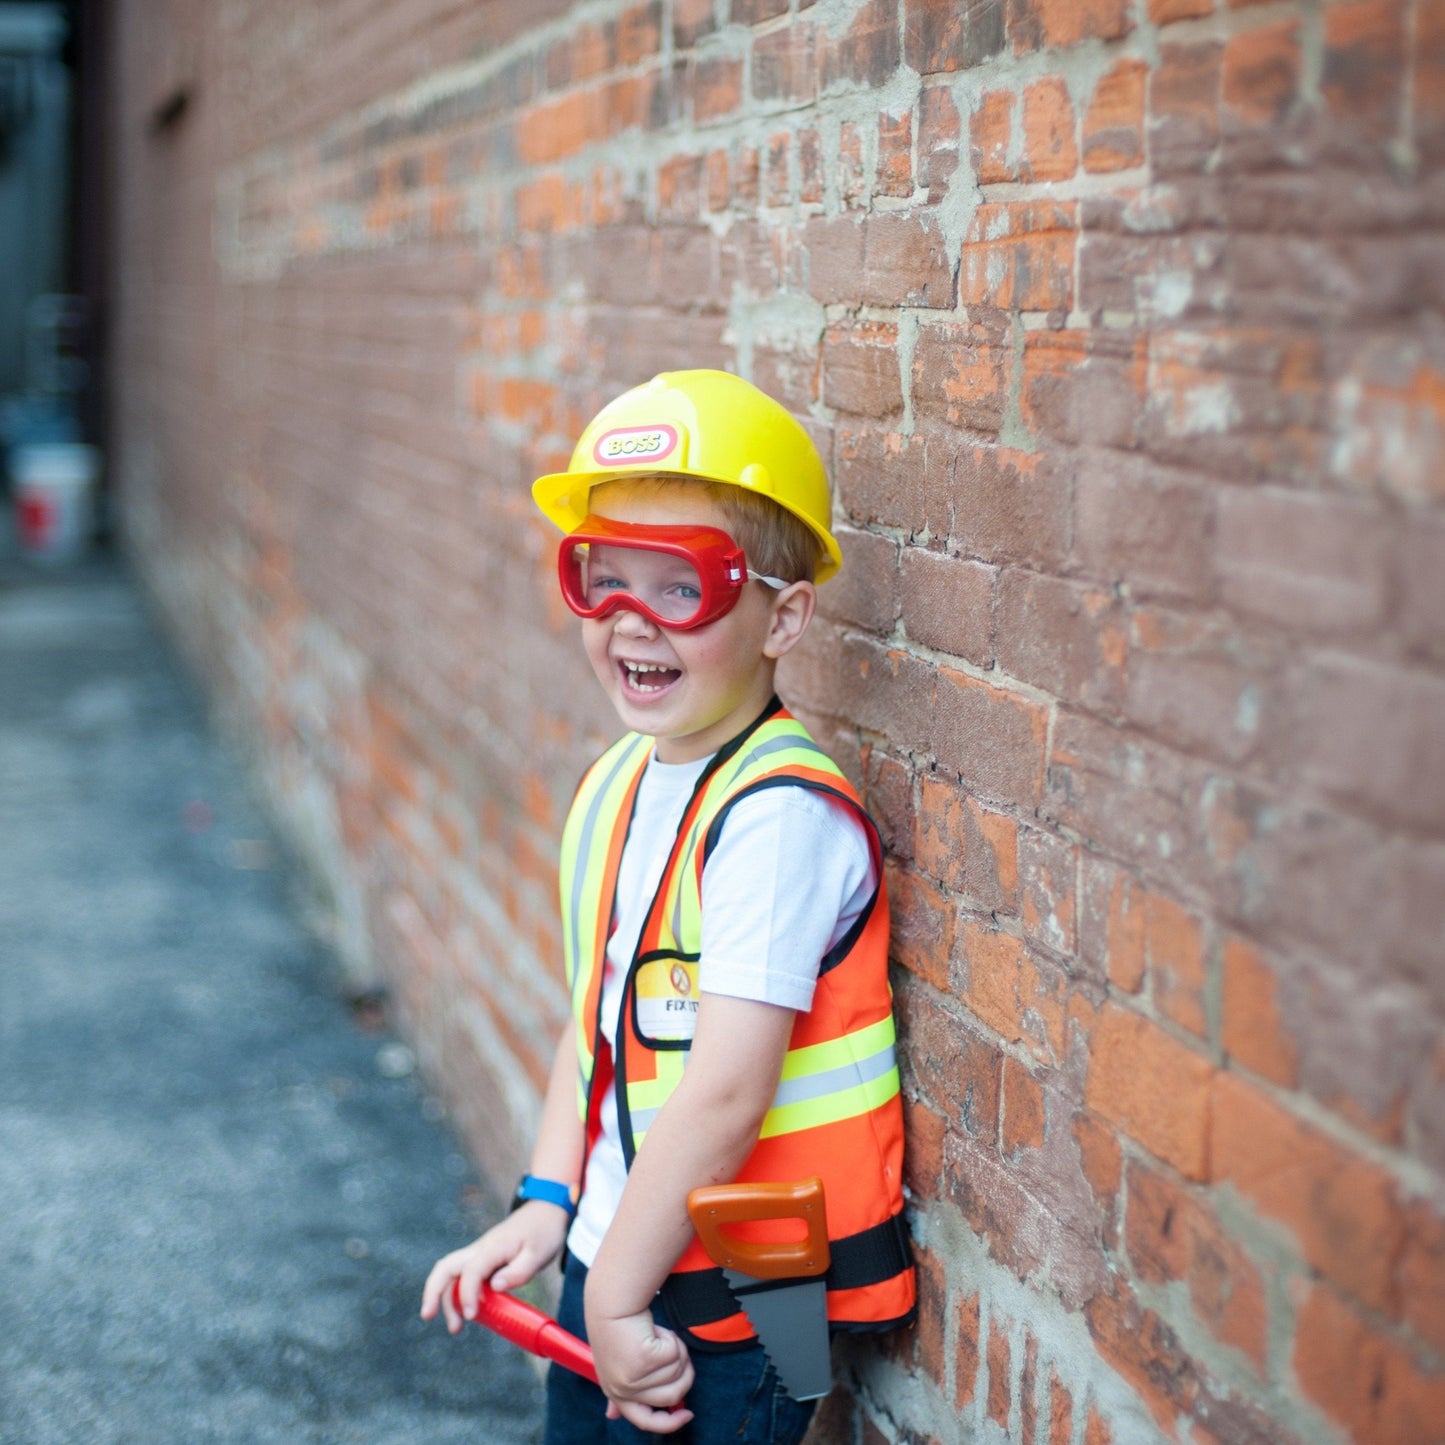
[633,624]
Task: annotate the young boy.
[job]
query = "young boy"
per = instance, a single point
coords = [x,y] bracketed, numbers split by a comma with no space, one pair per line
[722,910]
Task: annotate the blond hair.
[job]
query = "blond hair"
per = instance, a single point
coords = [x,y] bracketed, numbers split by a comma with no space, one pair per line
[775,542]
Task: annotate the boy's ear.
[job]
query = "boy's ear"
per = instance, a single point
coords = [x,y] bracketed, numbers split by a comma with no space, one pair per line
[793,610]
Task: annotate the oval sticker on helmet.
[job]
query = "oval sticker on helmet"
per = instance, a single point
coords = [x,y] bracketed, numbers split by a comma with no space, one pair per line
[626,446]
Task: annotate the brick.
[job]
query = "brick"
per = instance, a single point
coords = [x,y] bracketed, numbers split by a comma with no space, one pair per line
[1071,641]
[639,32]
[947,603]
[968,849]
[1096,1428]
[716,87]
[933,1300]
[1261,73]
[1309,563]
[1136,525]
[1114,121]
[968,1329]
[1061,1412]
[1202,689]
[866,54]
[882,478]
[1420,1275]
[1004,506]
[1184,99]
[999,1361]
[923,919]
[1341,1208]
[785,66]
[1364,62]
[895,154]
[777,183]
[1019,255]
[1420,577]
[860,369]
[1051,151]
[1045,24]
[992,738]
[1048,879]
[889,691]
[1083,386]
[940,36]
[1125,795]
[1022,999]
[1253,1032]
[924,1131]
[1369,735]
[884,259]
[1142,1348]
[990,138]
[865,591]
[1362,1379]
[1028,1387]
[888,796]
[1172,1235]
[1101,1161]
[960,375]
[810,168]
[1154,1088]
[691,21]
[754,12]
[951,1068]
[1023,1120]
[939,134]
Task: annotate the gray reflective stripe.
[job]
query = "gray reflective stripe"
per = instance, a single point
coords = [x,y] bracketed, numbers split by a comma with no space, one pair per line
[583,852]
[834,1081]
[799,741]
[641,1120]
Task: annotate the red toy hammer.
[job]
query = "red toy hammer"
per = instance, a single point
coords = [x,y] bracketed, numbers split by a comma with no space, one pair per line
[525,1325]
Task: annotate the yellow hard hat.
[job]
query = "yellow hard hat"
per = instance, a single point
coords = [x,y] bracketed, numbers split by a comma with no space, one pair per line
[705,424]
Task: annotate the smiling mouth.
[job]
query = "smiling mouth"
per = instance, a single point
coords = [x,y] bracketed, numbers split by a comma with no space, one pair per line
[649,676]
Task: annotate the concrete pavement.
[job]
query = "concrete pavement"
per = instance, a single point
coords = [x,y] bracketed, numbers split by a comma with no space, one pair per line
[219,1195]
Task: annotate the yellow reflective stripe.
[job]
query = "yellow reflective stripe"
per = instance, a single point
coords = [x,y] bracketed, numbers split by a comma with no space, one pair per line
[646,1096]
[835,1080]
[860,1044]
[830,1108]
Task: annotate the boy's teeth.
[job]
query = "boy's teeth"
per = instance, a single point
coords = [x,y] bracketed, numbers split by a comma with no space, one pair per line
[635,670]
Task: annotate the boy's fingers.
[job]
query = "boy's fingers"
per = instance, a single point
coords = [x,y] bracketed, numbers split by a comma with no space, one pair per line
[658,1422]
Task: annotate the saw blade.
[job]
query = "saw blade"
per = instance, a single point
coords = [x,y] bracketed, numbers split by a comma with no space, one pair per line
[791,1321]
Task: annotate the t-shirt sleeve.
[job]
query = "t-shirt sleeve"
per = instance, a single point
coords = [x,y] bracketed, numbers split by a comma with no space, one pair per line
[791,872]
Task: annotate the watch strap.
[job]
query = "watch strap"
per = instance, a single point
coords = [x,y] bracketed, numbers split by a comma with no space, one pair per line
[551,1191]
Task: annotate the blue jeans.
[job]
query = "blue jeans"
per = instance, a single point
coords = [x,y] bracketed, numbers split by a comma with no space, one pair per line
[736,1398]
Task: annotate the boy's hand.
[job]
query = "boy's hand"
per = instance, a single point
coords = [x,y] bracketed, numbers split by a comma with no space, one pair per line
[644,1370]
[507,1255]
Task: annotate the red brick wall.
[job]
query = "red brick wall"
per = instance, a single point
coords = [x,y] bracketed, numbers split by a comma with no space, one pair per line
[1120,322]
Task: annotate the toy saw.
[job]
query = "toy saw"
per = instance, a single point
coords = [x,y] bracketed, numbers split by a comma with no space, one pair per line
[778,1285]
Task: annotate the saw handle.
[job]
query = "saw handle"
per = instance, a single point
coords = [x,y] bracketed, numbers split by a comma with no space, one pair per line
[528,1327]
[716,1206]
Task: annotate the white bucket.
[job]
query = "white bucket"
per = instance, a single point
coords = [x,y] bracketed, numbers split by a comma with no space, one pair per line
[54,487]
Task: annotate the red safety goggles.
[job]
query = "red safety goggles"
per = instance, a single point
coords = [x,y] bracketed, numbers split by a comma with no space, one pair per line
[679,577]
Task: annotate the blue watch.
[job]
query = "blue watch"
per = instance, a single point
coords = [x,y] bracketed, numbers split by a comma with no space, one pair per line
[552,1191]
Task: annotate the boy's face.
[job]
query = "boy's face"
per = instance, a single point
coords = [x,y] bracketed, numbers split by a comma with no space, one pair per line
[691,690]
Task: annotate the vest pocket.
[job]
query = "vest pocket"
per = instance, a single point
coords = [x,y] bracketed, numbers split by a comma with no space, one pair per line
[665,996]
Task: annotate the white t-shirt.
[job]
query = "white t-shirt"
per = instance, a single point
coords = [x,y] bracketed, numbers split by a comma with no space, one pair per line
[791,872]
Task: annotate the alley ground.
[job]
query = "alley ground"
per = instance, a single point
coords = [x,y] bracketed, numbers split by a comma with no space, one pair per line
[219,1195]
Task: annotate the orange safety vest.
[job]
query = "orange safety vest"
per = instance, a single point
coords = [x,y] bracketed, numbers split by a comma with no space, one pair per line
[837,1113]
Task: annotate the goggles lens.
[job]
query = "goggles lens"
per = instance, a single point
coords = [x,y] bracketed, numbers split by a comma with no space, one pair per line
[679,577]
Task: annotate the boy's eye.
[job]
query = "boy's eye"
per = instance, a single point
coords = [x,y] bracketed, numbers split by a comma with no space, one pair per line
[685,592]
